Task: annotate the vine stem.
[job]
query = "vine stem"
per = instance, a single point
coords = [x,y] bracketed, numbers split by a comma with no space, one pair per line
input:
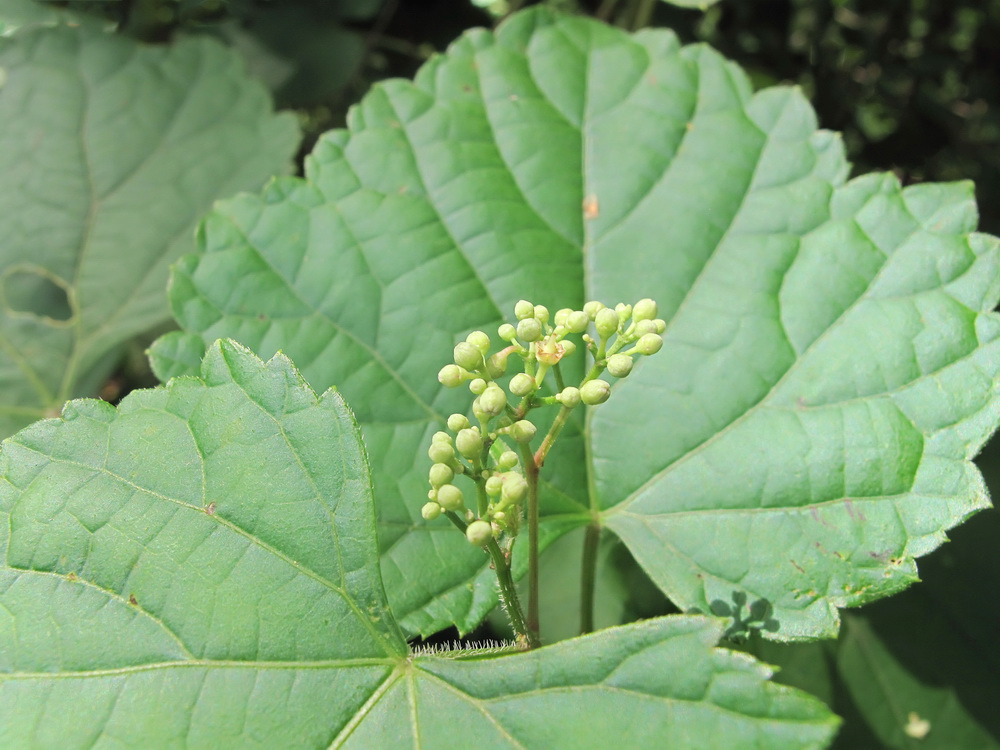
[588,577]
[508,591]
[531,470]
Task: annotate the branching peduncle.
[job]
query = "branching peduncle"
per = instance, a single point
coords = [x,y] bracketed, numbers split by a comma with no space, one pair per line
[506,480]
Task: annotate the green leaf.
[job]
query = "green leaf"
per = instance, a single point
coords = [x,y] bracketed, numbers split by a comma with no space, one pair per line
[199,567]
[930,652]
[109,153]
[830,360]
[17,14]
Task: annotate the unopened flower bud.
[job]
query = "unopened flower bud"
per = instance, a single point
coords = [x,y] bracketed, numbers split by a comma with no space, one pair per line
[619,365]
[524,310]
[606,322]
[496,365]
[507,332]
[661,326]
[430,511]
[469,442]
[522,384]
[468,356]
[577,322]
[595,392]
[493,400]
[569,396]
[480,340]
[568,347]
[441,437]
[440,474]
[493,486]
[624,311]
[479,533]
[507,461]
[450,497]
[644,309]
[561,315]
[643,327]
[457,422]
[651,343]
[529,329]
[542,314]
[592,308]
[441,453]
[452,376]
[478,385]
[515,487]
[523,431]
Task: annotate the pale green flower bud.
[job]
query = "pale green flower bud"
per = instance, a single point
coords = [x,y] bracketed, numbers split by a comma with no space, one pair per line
[515,487]
[457,422]
[523,431]
[651,343]
[524,310]
[469,442]
[440,474]
[643,327]
[529,329]
[507,332]
[595,392]
[661,325]
[441,453]
[541,314]
[493,486]
[624,311]
[441,437]
[569,396]
[568,347]
[478,385]
[606,322]
[577,322]
[507,461]
[619,365]
[522,384]
[592,308]
[561,315]
[430,511]
[645,309]
[479,533]
[468,356]
[496,365]
[493,400]
[450,497]
[452,376]
[480,340]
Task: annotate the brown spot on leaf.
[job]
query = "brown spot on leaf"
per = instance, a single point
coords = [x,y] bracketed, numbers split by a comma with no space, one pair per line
[210,509]
[132,600]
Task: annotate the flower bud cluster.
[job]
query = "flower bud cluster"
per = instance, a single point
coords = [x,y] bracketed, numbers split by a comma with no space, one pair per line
[478,447]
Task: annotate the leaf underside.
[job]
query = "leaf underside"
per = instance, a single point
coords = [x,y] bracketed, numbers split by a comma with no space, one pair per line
[199,567]
[109,152]
[830,360]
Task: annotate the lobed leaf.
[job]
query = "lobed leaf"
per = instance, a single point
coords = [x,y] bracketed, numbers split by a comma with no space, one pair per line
[109,152]
[830,361]
[199,567]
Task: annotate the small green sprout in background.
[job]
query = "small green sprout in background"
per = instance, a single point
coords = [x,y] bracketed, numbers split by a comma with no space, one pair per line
[492,449]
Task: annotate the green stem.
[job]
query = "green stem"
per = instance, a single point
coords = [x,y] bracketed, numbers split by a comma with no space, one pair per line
[550,438]
[508,592]
[588,577]
[531,474]
[643,14]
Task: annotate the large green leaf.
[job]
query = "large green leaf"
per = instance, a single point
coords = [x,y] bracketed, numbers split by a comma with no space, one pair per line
[918,670]
[199,568]
[829,365]
[109,153]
